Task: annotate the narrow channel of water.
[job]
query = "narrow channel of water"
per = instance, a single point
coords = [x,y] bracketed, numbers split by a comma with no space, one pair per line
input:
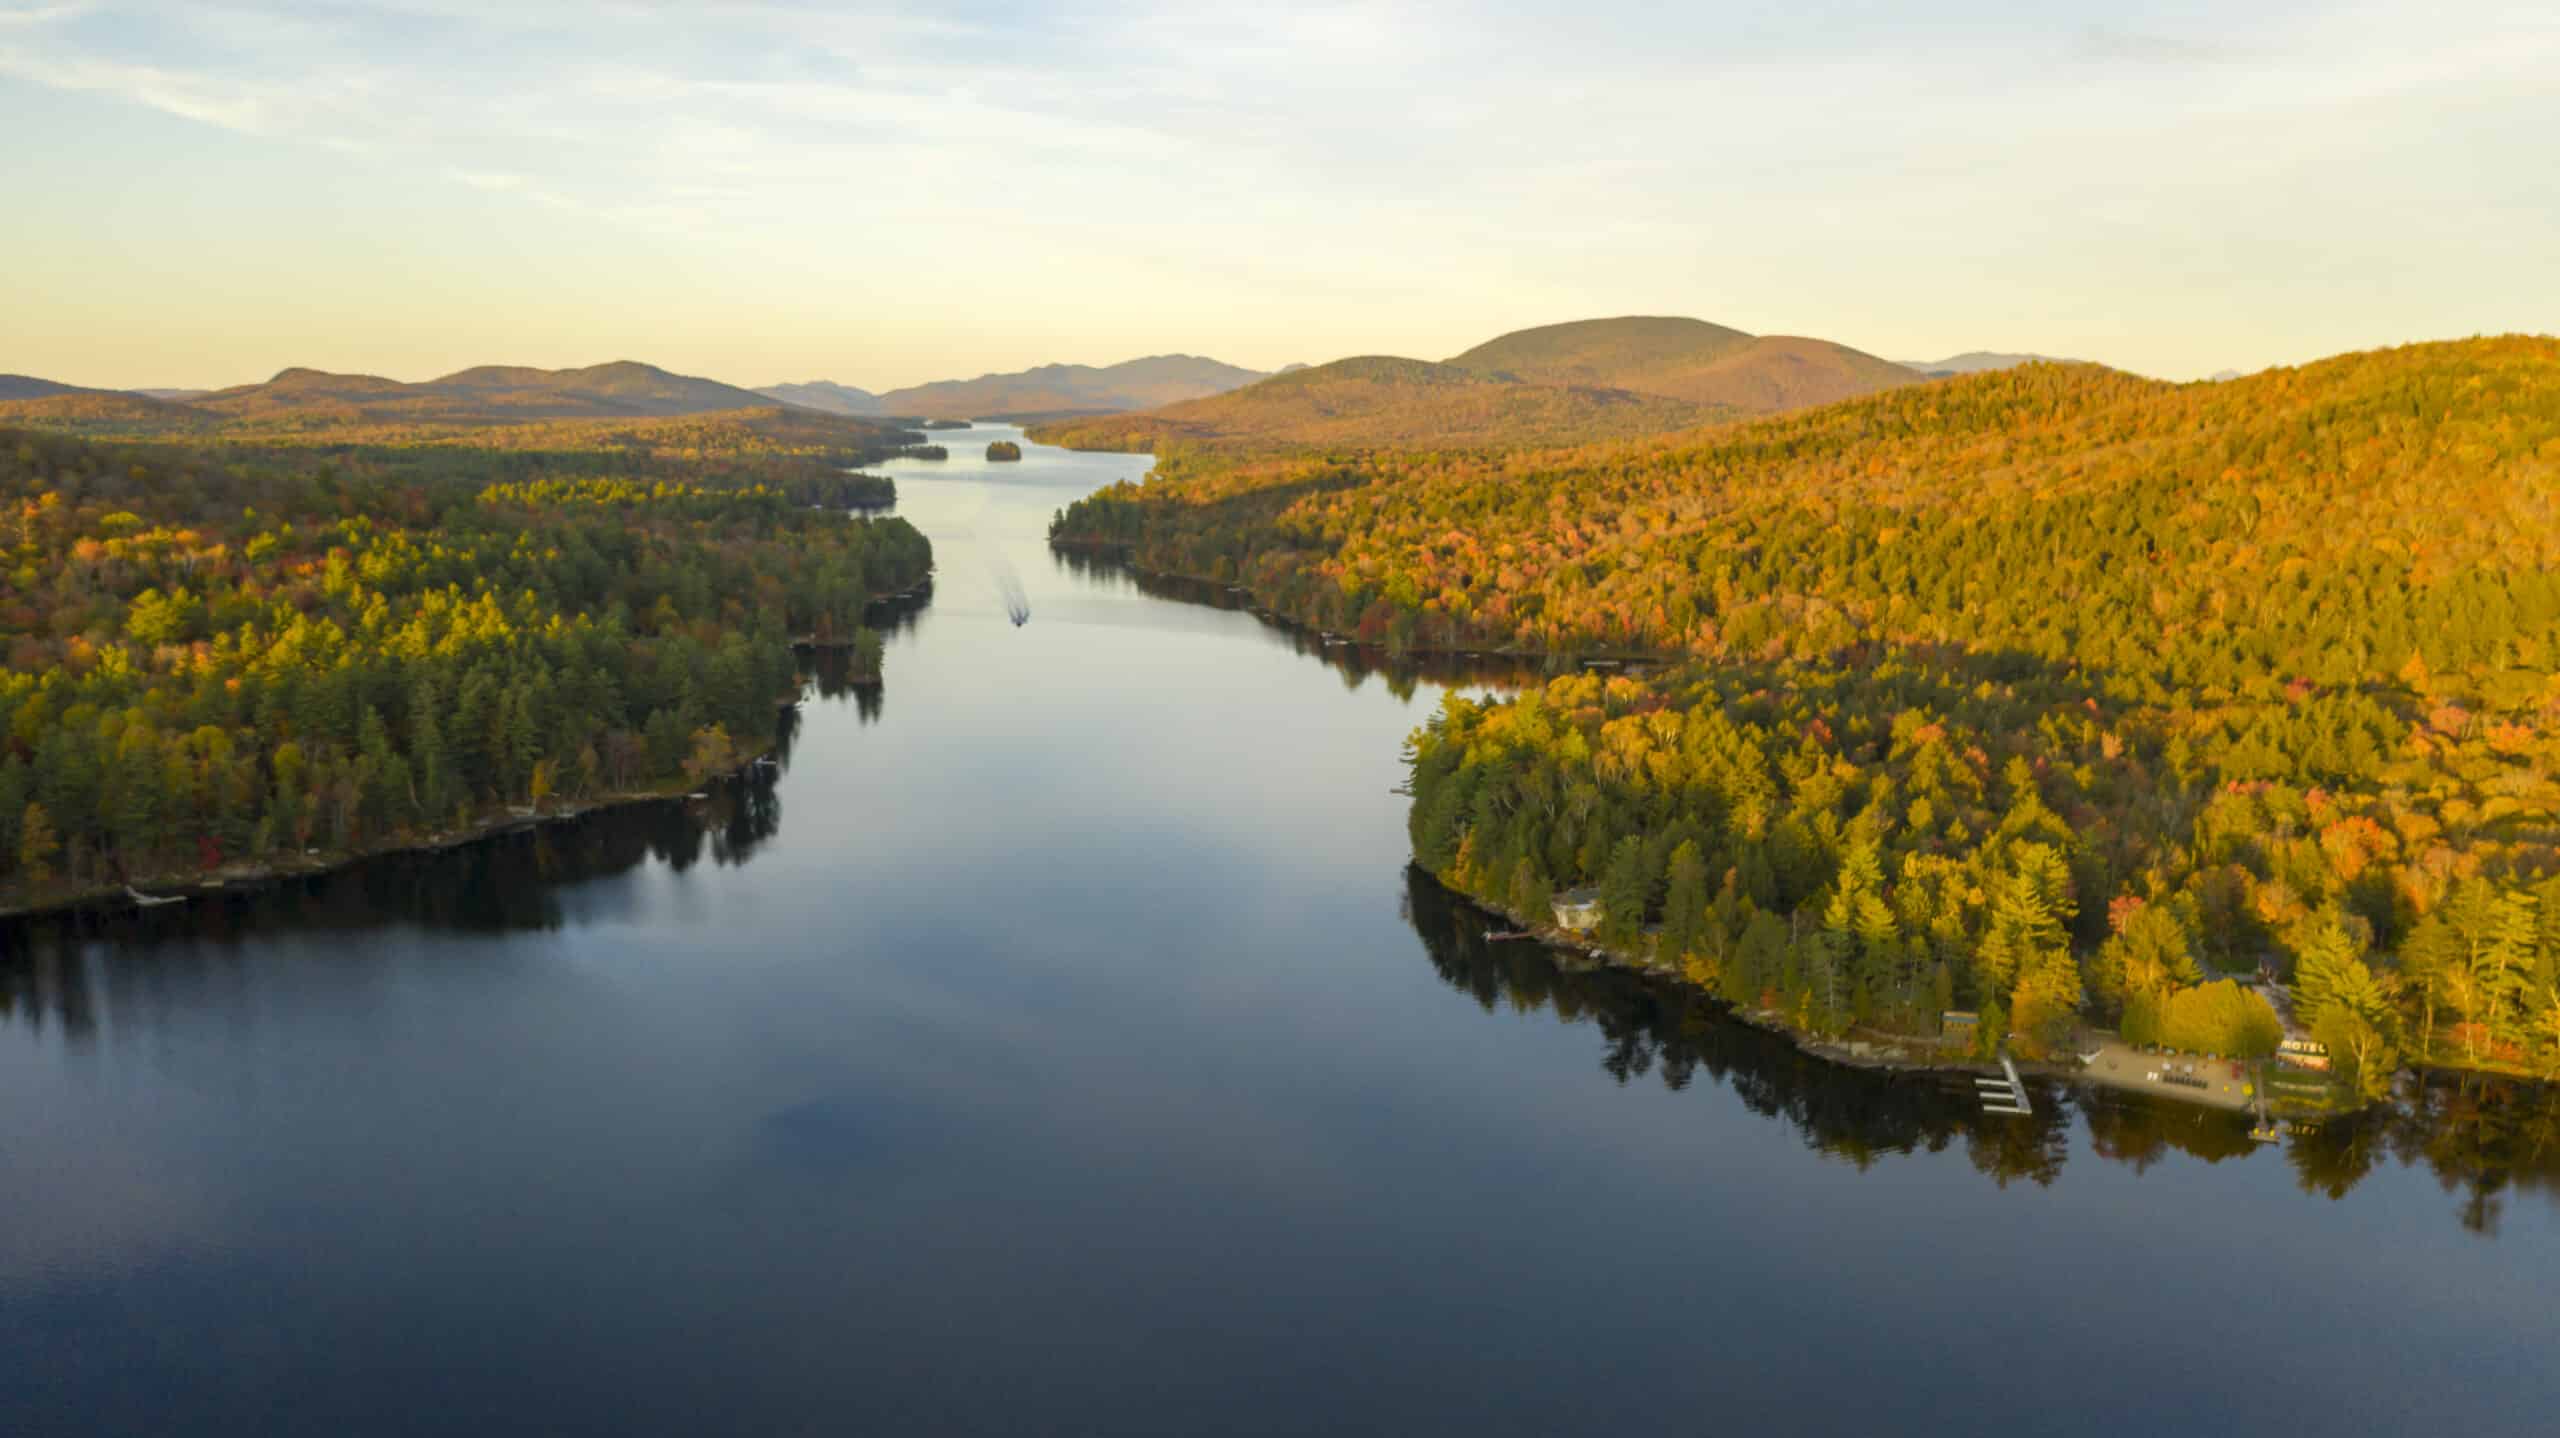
[1060,1043]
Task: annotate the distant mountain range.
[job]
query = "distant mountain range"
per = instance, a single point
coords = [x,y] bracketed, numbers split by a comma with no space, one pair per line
[1063,388]
[1046,390]
[1977,361]
[1550,384]
[303,399]
[825,395]
[1554,384]
[488,394]
[1384,400]
[307,401]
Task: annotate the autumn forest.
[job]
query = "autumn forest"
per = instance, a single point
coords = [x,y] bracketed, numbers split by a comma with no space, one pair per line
[226,653]
[2050,693]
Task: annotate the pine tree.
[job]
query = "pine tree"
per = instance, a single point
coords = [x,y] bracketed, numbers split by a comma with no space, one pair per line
[1684,903]
[2321,969]
[2149,958]
[1530,896]
[1624,888]
[1759,959]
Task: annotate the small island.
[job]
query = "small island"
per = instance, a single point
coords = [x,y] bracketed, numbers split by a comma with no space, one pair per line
[946,424]
[1004,449]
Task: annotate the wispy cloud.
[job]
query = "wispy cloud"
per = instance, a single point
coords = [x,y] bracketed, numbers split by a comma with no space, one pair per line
[627,98]
[487,180]
[190,97]
[19,12]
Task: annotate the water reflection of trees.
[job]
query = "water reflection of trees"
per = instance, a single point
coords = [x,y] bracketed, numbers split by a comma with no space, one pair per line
[900,613]
[1677,1033]
[508,883]
[830,673]
[2481,1138]
[51,965]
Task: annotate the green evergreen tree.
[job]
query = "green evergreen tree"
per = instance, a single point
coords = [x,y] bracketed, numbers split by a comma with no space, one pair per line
[1530,896]
[1624,888]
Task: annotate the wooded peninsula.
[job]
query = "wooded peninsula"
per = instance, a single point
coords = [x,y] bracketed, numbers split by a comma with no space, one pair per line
[2050,695]
[236,650]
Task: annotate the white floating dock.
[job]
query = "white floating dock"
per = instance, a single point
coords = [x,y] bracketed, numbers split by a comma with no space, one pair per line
[2005,1095]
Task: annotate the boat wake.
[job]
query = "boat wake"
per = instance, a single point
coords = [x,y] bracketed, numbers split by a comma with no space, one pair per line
[1017,600]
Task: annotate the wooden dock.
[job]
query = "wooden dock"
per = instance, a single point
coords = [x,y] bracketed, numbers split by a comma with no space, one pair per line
[2005,1095]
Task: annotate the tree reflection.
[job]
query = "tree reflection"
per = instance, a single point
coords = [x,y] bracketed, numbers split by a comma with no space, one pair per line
[830,676]
[52,965]
[2337,1155]
[506,884]
[2482,1139]
[1652,1027]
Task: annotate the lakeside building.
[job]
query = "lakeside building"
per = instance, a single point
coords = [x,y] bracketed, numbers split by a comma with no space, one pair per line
[1578,910]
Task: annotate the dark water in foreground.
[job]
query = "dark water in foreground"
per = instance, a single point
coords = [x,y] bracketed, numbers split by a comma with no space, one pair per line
[1060,1045]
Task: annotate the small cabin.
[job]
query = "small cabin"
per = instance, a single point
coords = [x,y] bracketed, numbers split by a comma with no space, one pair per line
[1957,1026]
[1578,910]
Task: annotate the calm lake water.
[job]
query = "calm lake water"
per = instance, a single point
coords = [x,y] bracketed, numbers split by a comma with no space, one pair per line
[1060,1044]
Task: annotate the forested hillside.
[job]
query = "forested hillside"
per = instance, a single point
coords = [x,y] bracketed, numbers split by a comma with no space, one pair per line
[27,386]
[91,411]
[220,657]
[1686,359]
[2046,691]
[1577,383]
[1380,400]
[755,437]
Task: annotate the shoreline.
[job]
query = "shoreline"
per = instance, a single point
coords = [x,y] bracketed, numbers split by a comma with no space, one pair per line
[185,887]
[1892,1058]
[1571,660]
[1855,1054]
[1893,1055]
[1570,949]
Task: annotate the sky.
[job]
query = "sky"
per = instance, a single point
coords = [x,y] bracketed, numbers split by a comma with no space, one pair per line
[204,193]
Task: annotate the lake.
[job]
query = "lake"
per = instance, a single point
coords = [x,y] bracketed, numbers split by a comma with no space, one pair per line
[1059,1043]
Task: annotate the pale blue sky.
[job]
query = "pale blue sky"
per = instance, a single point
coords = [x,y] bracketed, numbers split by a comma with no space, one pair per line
[207,192]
